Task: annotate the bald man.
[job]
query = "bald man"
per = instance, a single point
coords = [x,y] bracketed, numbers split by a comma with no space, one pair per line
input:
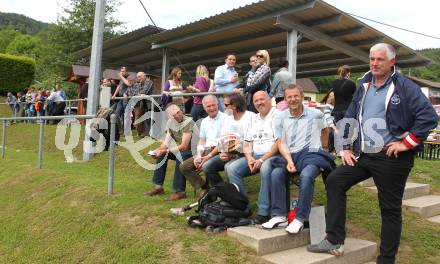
[259,149]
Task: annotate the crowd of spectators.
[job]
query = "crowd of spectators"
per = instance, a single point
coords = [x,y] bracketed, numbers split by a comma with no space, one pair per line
[38,102]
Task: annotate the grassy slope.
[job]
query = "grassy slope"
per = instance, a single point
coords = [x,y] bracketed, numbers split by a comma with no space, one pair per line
[62,213]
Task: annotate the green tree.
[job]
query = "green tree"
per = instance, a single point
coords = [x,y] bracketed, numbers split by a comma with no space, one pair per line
[430,72]
[7,36]
[25,45]
[74,29]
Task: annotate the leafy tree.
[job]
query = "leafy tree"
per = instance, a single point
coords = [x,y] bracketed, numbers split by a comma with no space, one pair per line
[74,29]
[430,72]
[25,45]
[7,35]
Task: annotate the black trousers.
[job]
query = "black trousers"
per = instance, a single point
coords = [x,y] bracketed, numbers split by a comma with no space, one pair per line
[389,175]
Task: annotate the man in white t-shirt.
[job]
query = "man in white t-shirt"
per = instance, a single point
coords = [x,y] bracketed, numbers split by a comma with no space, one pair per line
[259,149]
[210,129]
[232,135]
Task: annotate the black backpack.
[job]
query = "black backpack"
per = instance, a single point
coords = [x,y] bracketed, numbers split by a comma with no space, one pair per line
[222,206]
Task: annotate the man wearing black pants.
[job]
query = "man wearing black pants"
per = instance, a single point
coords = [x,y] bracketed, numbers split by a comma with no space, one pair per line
[393,117]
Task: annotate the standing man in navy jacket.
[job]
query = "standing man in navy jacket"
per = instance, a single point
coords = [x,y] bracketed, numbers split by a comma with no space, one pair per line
[392,117]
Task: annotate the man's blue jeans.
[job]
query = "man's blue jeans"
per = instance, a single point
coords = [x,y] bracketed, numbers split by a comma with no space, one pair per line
[237,170]
[179,182]
[212,167]
[306,189]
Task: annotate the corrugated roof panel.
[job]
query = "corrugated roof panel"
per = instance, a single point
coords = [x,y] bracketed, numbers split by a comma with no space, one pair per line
[209,47]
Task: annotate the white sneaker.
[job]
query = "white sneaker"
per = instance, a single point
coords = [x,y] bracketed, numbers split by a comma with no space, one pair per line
[276,221]
[295,227]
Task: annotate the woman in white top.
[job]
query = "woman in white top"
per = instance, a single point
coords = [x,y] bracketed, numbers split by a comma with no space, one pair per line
[173,85]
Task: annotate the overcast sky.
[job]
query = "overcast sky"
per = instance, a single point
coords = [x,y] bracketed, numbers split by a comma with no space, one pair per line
[421,16]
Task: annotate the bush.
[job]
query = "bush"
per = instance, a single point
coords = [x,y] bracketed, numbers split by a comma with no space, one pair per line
[16,73]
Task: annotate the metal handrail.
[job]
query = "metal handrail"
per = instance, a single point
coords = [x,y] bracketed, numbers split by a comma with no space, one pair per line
[41,136]
[111,159]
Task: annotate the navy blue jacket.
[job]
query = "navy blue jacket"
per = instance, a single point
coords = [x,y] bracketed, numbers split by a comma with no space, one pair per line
[409,114]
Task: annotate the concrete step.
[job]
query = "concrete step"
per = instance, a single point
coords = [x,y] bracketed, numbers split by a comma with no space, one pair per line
[425,206]
[268,241]
[356,252]
[434,219]
[412,190]
[367,183]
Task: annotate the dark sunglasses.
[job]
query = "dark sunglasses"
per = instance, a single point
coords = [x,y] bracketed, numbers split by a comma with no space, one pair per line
[226,105]
[259,56]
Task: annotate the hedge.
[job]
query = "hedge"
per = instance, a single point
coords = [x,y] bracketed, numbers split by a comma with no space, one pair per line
[16,73]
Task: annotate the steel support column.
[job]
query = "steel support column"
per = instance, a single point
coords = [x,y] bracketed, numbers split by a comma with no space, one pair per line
[292,44]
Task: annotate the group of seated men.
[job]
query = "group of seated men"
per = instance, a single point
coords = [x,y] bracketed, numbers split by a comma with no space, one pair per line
[272,143]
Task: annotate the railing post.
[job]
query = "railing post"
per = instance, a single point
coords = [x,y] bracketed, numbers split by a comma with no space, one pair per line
[111,154]
[4,139]
[150,133]
[40,144]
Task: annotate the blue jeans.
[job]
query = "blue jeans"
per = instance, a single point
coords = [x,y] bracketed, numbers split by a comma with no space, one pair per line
[120,107]
[306,189]
[238,169]
[212,167]
[179,182]
[197,112]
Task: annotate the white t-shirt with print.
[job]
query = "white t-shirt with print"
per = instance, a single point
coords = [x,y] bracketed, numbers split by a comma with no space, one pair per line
[261,132]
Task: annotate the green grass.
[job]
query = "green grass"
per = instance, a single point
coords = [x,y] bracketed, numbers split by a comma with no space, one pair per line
[62,213]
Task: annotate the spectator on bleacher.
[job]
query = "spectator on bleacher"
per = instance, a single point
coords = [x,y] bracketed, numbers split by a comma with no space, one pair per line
[260,80]
[225,78]
[176,146]
[120,90]
[210,128]
[259,150]
[250,73]
[30,99]
[299,130]
[281,79]
[343,90]
[235,127]
[142,86]
[201,85]
[174,84]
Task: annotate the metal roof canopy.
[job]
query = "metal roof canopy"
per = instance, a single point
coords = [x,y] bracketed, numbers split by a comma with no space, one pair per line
[329,39]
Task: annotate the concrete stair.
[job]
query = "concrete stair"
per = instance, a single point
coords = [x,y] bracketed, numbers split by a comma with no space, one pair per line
[425,206]
[416,198]
[356,252]
[412,190]
[367,183]
[276,246]
[268,241]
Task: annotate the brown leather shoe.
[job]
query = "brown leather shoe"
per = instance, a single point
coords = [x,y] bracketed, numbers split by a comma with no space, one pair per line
[177,196]
[155,191]
[203,192]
